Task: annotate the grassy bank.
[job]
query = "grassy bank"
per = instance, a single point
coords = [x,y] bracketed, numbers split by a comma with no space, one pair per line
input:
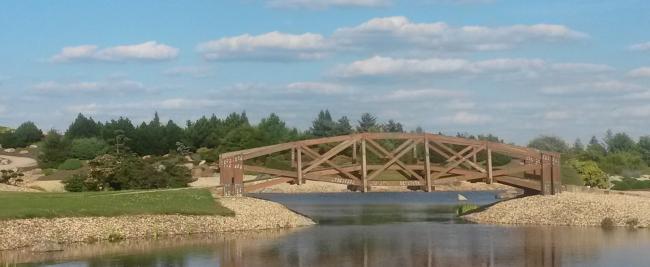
[21,205]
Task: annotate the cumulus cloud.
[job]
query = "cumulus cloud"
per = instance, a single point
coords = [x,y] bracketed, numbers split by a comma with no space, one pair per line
[611,86]
[94,87]
[381,66]
[640,47]
[321,4]
[121,108]
[643,72]
[420,94]
[147,51]
[268,46]
[390,32]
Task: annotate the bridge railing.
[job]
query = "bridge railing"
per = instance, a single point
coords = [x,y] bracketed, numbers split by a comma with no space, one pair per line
[541,170]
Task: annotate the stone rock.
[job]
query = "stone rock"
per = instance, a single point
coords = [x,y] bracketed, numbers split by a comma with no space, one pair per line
[10,150]
[188,159]
[4,161]
[202,163]
[161,167]
[33,146]
[23,152]
[189,166]
[461,198]
[146,157]
[166,156]
[47,246]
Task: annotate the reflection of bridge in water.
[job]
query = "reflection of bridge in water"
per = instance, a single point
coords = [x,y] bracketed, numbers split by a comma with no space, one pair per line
[418,161]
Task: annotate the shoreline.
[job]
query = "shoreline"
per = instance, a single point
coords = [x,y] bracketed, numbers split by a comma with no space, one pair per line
[568,209]
[42,235]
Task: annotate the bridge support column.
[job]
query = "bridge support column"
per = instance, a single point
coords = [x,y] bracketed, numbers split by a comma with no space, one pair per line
[231,171]
[354,152]
[490,178]
[364,166]
[547,174]
[427,165]
[299,164]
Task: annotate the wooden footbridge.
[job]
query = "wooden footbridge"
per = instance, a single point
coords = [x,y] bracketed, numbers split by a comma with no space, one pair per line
[419,161]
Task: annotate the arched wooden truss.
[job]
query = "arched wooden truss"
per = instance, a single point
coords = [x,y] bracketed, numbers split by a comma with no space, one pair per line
[320,160]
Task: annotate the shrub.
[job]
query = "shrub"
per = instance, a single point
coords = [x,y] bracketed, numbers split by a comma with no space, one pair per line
[591,174]
[27,133]
[632,222]
[87,148]
[623,163]
[465,208]
[70,164]
[209,155]
[54,150]
[630,184]
[74,183]
[607,223]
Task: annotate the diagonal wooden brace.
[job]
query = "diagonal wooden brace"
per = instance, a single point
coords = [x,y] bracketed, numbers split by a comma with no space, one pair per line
[315,154]
[412,143]
[388,154]
[329,154]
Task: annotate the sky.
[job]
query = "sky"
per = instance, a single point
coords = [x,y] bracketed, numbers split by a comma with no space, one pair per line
[517,69]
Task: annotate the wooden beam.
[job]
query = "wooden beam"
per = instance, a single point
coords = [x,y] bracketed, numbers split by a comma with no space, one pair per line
[272,182]
[299,163]
[453,165]
[392,155]
[364,166]
[490,177]
[427,165]
[393,160]
[329,154]
[468,164]
[331,163]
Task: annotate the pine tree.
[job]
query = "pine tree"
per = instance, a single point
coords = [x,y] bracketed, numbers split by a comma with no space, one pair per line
[368,123]
[323,125]
[343,126]
[393,127]
[83,127]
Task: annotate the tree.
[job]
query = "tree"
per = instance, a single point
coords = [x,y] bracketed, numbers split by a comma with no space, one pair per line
[273,130]
[368,123]
[393,127]
[619,142]
[241,138]
[87,148]
[54,150]
[578,147]
[549,143]
[26,134]
[323,125]
[83,127]
[644,148]
[343,126]
[594,151]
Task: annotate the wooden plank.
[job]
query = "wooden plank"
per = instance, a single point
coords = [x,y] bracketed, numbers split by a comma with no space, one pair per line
[393,160]
[452,166]
[490,175]
[265,170]
[336,180]
[396,183]
[331,163]
[519,182]
[329,154]
[427,165]
[299,164]
[451,152]
[364,166]
[392,155]
[257,186]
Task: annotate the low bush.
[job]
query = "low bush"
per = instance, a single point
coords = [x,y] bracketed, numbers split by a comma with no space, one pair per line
[465,208]
[630,184]
[70,164]
[632,223]
[607,223]
[209,155]
[75,183]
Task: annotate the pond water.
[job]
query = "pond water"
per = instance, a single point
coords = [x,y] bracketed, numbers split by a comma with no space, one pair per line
[374,229]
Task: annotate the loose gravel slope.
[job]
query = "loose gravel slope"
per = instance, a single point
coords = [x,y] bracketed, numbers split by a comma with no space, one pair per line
[571,209]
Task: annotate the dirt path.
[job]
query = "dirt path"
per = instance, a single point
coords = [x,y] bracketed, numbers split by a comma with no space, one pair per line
[18,162]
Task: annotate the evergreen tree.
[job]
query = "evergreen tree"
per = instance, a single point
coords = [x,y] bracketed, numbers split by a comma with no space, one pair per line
[393,127]
[26,134]
[54,150]
[343,126]
[83,127]
[368,123]
[273,130]
[595,150]
[620,142]
[323,125]
[578,147]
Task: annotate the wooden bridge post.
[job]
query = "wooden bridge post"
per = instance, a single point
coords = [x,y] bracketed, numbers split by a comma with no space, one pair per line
[231,171]
[354,152]
[427,164]
[364,166]
[557,175]
[547,174]
[299,163]
[490,178]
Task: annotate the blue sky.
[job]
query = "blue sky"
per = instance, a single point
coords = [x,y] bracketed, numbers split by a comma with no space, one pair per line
[513,68]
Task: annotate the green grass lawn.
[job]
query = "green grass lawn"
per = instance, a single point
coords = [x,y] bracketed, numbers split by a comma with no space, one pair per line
[20,205]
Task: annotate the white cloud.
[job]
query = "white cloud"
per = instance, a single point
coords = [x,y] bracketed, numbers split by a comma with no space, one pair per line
[191,71]
[268,46]
[122,108]
[643,72]
[420,94]
[96,87]
[612,86]
[383,66]
[640,47]
[318,87]
[3,108]
[320,4]
[467,118]
[147,51]
[388,32]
